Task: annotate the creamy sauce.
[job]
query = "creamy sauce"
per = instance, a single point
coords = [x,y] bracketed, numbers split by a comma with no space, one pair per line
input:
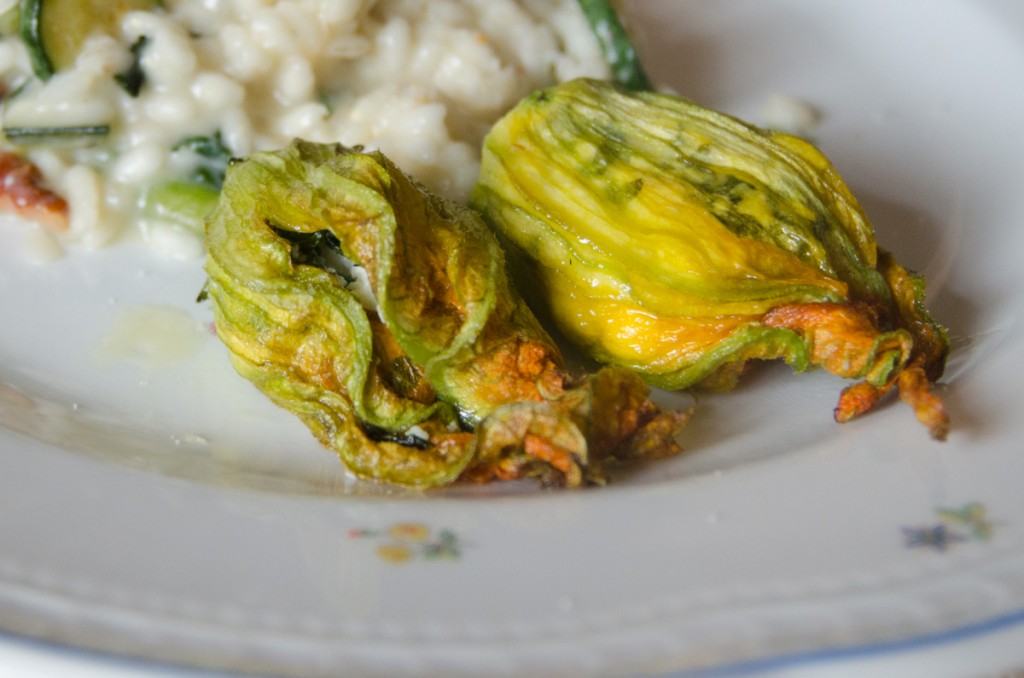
[39,245]
[151,336]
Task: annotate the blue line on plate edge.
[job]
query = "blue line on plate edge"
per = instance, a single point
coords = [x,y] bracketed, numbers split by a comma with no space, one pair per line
[858,651]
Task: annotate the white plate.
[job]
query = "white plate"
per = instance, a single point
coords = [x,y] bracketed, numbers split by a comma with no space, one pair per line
[161,508]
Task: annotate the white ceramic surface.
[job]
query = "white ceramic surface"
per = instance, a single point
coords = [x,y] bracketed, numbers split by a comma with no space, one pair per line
[153,505]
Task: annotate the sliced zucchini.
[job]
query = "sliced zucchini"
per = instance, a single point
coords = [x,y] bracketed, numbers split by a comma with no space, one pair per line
[10,15]
[615,44]
[180,203]
[55,30]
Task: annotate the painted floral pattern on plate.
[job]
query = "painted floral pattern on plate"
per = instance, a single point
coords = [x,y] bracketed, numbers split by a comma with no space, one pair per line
[407,542]
[955,525]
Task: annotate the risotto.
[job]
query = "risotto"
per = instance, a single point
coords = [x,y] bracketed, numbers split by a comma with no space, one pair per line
[422,81]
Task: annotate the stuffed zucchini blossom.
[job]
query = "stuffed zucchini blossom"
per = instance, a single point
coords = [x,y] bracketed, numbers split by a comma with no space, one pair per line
[382,317]
[683,243]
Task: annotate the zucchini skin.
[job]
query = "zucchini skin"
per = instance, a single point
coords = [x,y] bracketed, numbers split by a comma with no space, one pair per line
[615,44]
[30,29]
[53,31]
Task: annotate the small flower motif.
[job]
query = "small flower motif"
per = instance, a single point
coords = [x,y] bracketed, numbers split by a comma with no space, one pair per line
[356,533]
[972,517]
[445,548]
[404,542]
[938,537]
[395,553]
[410,531]
[957,524]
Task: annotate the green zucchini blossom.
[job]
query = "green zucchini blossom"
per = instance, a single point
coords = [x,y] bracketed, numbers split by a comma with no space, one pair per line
[382,316]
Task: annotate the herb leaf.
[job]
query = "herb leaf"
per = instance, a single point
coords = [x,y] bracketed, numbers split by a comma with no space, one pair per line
[214,156]
[133,78]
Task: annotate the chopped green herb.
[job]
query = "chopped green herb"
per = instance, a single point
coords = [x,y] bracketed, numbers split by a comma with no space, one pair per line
[134,77]
[34,134]
[215,157]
